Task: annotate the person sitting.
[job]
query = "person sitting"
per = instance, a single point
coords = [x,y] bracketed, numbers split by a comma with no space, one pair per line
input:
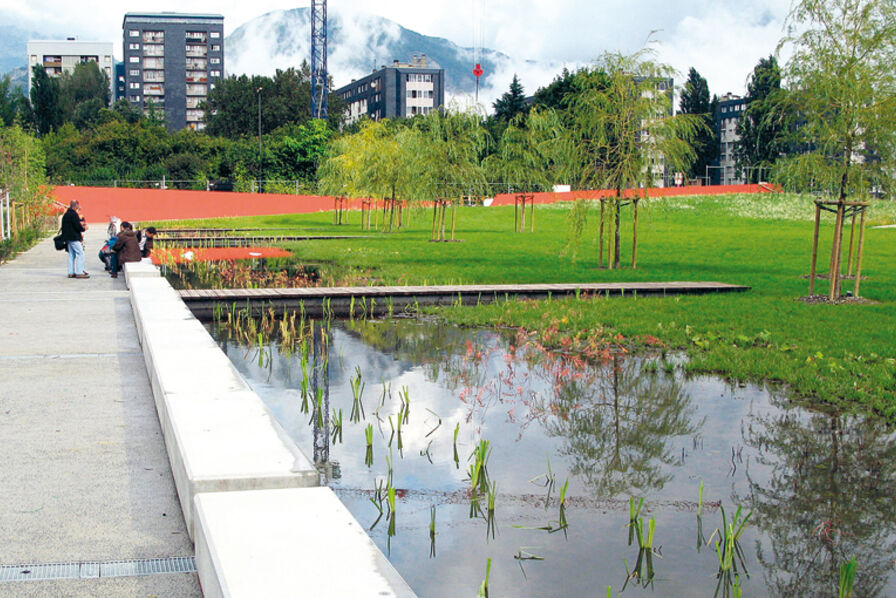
[126,248]
[107,256]
[145,238]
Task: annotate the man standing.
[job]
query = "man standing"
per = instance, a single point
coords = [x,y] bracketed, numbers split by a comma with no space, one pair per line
[72,231]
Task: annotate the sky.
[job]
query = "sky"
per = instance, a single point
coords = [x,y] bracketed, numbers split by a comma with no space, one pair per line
[723,40]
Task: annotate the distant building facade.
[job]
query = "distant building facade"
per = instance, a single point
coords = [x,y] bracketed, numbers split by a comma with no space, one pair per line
[62,56]
[402,90]
[724,170]
[171,61]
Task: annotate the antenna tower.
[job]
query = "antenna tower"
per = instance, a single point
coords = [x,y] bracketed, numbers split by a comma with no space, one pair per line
[319,58]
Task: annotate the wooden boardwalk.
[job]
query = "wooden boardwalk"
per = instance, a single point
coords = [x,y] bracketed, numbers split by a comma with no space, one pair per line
[340,301]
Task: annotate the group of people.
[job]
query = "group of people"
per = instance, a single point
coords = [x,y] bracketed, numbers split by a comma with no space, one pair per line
[123,245]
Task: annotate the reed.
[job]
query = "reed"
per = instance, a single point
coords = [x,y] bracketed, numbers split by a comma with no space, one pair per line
[432,531]
[337,425]
[368,437]
[483,588]
[456,459]
[847,578]
[479,467]
[357,385]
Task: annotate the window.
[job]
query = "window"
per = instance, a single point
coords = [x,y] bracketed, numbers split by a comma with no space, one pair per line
[196,36]
[194,115]
[196,63]
[134,98]
[214,61]
[153,63]
[133,46]
[153,37]
[215,34]
[134,33]
[427,78]
[134,85]
[193,101]
[133,59]
[196,77]
[153,89]
[154,76]
[134,72]
[216,47]
[197,51]
[215,73]
[153,50]
[195,89]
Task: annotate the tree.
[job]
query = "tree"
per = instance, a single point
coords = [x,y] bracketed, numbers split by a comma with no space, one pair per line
[8,108]
[86,83]
[842,81]
[510,104]
[624,130]
[695,100]
[763,127]
[45,100]
[557,94]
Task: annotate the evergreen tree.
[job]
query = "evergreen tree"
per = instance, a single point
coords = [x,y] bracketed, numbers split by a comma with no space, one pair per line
[695,100]
[510,104]
[557,95]
[45,101]
[764,125]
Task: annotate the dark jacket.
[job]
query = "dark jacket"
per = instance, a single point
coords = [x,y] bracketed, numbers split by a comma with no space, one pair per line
[128,247]
[72,227]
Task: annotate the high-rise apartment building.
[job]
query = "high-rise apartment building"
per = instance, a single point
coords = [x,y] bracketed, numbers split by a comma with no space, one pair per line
[62,56]
[400,90]
[171,61]
[724,171]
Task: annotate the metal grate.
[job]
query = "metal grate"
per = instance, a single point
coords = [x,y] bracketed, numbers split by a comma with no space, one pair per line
[132,568]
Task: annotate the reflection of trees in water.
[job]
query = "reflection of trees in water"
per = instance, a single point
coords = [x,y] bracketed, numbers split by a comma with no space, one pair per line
[829,497]
[617,425]
[616,421]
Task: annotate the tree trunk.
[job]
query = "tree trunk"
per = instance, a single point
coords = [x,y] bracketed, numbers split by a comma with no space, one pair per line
[616,235]
[600,236]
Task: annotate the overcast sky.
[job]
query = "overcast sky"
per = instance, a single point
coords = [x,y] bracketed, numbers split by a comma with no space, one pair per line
[723,40]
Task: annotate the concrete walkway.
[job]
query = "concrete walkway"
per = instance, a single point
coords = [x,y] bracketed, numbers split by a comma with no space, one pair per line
[85,471]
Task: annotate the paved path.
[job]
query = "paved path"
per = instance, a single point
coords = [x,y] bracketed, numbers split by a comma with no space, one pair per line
[85,475]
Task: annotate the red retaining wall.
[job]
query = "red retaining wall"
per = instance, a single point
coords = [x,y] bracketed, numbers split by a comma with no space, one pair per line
[99,203]
[503,199]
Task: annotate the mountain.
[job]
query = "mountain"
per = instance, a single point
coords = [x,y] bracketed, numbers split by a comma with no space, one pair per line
[359,43]
[14,53]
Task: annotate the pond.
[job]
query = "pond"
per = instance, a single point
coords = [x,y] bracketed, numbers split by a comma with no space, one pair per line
[569,444]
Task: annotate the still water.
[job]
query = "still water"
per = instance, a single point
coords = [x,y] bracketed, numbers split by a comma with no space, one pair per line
[819,487]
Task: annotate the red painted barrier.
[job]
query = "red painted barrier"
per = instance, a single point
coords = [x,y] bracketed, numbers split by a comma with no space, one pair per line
[99,203]
[504,199]
[212,254]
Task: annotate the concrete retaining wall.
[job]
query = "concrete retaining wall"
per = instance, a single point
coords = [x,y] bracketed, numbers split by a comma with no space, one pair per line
[240,479]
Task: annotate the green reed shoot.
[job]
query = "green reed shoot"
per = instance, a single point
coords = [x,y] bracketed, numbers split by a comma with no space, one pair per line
[479,467]
[377,500]
[633,515]
[609,588]
[426,452]
[405,398]
[337,425]
[400,445]
[351,309]
[483,588]
[700,500]
[306,378]
[319,407]
[387,392]
[456,459]
[368,436]
[390,497]
[432,531]
[357,385]
[389,459]
[847,578]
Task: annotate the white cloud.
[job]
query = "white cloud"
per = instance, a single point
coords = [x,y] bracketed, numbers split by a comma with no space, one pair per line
[722,40]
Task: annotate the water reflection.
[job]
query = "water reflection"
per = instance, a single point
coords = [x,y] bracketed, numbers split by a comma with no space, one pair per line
[819,485]
[829,498]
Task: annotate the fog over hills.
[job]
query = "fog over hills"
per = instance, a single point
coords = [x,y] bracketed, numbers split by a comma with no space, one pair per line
[358,43]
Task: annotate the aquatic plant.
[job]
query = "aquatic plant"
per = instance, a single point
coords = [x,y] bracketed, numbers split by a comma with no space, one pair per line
[483,588]
[368,436]
[847,578]
[357,413]
[479,467]
[432,531]
[336,420]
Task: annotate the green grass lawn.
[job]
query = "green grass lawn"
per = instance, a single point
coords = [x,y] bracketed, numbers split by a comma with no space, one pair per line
[837,354]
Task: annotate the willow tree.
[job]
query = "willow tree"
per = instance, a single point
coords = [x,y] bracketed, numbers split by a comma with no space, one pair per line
[447,162]
[375,162]
[625,131]
[843,85]
[533,152]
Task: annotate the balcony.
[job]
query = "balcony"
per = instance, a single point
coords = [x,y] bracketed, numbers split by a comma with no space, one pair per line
[197,36]
[153,37]
[197,77]
[196,64]
[197,51]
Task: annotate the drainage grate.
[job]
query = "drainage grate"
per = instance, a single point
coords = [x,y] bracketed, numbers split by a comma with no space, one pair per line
[132,568]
